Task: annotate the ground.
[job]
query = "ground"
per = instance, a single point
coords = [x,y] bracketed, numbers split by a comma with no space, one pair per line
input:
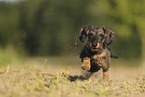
[63,77]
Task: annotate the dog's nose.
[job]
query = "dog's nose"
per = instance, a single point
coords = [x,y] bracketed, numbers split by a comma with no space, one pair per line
[94,43]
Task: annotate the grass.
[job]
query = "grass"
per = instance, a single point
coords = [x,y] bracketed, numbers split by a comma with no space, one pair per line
[40,77]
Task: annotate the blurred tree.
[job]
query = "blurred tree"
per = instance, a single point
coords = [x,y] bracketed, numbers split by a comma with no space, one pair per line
[138,12]
[9,23]
[49,26]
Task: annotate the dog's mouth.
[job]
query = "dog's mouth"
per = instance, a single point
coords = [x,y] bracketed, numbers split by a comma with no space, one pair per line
[99,46]
[96,45]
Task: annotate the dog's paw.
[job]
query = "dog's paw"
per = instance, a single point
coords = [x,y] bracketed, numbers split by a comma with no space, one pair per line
[85,66]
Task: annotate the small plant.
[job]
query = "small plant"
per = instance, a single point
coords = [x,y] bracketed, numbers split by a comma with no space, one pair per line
[4,69]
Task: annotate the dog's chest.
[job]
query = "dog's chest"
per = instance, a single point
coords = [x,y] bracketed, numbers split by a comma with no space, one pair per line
[102,59]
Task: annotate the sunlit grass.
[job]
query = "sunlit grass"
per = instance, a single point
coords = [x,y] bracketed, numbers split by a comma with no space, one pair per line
[44,80]
[62,77]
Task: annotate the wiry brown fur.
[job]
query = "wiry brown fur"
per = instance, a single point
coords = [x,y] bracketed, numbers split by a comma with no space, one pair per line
[96,54]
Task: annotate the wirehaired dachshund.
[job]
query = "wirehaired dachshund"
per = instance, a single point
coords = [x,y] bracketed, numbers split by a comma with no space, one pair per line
[96,54]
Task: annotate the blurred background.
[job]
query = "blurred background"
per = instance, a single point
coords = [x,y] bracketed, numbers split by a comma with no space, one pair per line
[50,28]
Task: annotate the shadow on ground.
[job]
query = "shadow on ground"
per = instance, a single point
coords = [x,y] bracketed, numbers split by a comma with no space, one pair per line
[83,77]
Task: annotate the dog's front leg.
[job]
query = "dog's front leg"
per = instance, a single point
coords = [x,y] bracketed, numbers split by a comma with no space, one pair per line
[86,64]
[105,75]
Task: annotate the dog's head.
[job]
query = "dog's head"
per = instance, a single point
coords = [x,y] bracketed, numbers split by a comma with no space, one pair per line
[96,35]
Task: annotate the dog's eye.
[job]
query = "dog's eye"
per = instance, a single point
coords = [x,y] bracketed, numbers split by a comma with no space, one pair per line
[101,35]
[91,34]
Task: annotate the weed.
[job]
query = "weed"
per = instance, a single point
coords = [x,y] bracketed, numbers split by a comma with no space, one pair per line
[4,69]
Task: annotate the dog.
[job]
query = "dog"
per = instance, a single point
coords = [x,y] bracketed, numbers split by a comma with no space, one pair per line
[96,54]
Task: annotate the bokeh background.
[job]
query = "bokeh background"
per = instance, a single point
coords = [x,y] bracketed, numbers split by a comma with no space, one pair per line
[50,28]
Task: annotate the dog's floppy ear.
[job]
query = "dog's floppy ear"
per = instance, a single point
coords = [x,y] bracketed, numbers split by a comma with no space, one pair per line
[83,34]
[109,35]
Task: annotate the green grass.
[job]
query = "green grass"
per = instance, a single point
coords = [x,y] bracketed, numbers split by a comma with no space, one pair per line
[39,77]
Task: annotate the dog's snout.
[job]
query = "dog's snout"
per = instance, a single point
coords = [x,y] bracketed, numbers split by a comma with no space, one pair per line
[94,43]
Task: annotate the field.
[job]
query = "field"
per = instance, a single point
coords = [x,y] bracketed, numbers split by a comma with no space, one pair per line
[63,77]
